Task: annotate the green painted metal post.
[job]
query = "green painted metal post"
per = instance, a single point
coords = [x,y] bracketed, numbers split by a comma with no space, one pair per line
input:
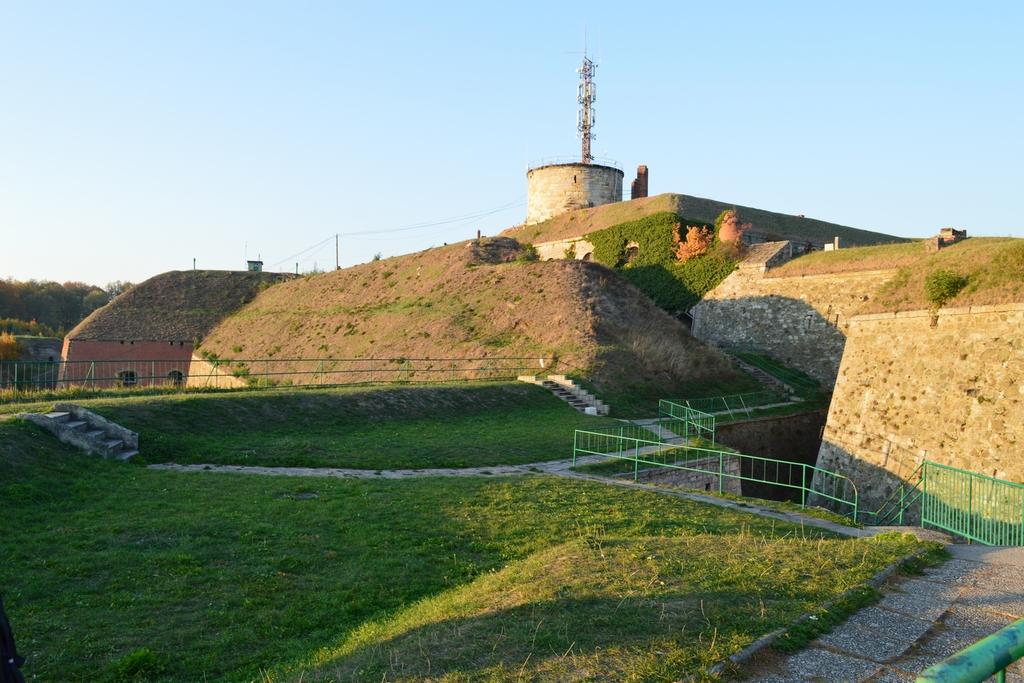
[924,491]
[636,461]
[575,437]
[903,493]
[720,462]
[803,485]
[970,507]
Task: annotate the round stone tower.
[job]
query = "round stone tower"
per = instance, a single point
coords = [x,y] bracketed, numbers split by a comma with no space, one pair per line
[556,188]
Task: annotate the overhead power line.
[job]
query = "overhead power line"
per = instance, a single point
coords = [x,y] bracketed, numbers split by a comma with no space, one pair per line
[363,234]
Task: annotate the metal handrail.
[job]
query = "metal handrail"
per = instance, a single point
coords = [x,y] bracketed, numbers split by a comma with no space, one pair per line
[975,506]
[893,507]
[31,377]
[637,450]
[990,656]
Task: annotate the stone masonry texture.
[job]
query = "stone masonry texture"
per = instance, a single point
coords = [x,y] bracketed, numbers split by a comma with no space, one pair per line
[801,321]
[945,386]
[553,190]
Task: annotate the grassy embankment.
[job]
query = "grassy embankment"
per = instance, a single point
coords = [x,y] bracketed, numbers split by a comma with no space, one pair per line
[364,428]
[993,268]
[113,572]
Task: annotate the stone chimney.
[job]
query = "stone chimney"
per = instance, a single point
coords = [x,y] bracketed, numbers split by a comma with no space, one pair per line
[639,187]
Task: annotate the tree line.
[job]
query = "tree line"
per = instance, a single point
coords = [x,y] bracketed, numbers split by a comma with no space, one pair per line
[50,309]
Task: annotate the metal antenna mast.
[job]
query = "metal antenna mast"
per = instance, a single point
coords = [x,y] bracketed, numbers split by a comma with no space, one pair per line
[586,98]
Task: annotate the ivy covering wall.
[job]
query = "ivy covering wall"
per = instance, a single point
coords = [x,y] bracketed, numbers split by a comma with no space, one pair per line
[654,269]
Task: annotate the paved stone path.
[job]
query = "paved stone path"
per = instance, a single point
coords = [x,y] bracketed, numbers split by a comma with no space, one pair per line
[550,467]
[920,621]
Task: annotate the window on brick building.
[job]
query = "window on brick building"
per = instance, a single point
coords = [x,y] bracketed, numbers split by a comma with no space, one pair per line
[176,377]
[128,378]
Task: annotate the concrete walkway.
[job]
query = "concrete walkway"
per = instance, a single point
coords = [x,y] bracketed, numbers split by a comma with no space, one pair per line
[920,621]
[549,467]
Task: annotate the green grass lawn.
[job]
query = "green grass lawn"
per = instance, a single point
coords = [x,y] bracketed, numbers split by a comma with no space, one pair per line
[113,572]
[367,428]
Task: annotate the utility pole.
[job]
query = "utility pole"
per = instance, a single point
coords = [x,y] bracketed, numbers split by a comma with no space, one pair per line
[193,263]
[337,265]
[586,97]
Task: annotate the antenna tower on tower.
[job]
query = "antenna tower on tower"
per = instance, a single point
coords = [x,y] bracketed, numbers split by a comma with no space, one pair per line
[586,98]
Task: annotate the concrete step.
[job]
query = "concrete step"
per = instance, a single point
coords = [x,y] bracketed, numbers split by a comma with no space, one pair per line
[87,431]
[566,390]
[126,455]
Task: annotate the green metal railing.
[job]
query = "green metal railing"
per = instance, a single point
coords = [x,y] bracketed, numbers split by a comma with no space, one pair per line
[719,465]
[677,417]
[977,507]
[732,405]
[990,656]
[902,505]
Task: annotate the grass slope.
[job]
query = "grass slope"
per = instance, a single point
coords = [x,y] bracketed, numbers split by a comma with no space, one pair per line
[116,573]
[778,225]
[994,267]
[384,428]
[464,301]
[638,609]
[852,259]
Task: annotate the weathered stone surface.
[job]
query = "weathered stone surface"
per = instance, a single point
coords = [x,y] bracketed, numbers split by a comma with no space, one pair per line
[555,189]
[802,321]
[943,386]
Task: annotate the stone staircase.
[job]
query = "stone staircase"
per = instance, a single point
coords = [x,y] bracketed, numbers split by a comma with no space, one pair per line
[766,379]
[570,392]
[88,431]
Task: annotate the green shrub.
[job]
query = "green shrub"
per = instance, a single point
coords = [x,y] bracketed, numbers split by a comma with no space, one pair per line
[942,285]
[528,253]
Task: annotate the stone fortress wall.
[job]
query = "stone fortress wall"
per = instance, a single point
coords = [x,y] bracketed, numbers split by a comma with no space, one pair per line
[801,321]
[945,386]
[554,189]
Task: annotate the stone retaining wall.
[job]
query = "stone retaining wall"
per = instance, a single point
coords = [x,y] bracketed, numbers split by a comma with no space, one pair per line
[697,481]
[946,386]
[801,321]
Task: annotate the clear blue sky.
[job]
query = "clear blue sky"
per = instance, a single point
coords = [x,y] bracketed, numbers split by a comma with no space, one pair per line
[135,136]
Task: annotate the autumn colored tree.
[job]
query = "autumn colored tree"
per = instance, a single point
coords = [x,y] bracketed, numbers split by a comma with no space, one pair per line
[10,349]
[698,240]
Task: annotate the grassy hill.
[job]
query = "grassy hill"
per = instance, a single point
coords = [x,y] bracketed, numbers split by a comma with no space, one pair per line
[695,210]
[468,300]
[179,305]
[992,269]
